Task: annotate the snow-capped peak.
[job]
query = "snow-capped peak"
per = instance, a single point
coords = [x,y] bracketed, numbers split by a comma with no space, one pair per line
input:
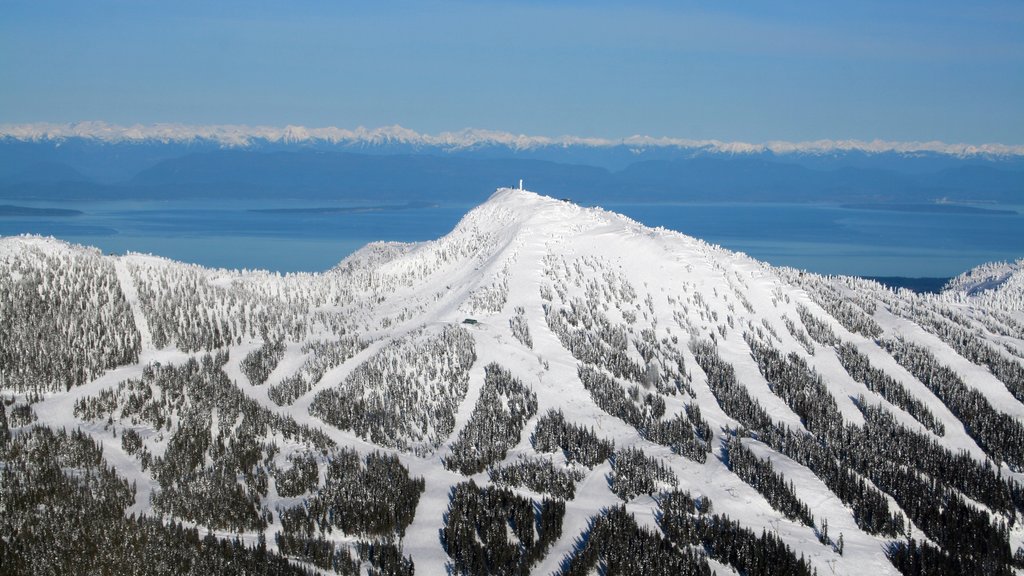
[243,136]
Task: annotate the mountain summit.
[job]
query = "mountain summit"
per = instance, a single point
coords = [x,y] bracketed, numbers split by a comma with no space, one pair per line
[546,389]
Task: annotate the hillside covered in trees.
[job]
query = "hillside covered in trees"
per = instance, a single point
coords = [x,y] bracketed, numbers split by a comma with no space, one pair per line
[548,389]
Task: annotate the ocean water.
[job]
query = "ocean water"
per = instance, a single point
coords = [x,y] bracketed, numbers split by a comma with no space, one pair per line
[831,239]
[233,236]
[822,238]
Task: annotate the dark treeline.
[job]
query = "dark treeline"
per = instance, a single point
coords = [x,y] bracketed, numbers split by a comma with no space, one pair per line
[540,475]
[605,351]
[497,421]
[635,473]
[597,342]
[615,544]
[853,312]
[184,309]
[404,396]
[323,355]
[302,477]
[259,363]
[798,334]
[1009,372]
[21,414]
[577,443]
[981,481]
[199,386]
[860,369]
[593,339]
[5,433]
[478,524]
[870,507]
[215,475]
[384,558]
[687,523]
[913,558]
[375,499]
[65,320]
[998,434]
[520,327]
[817,328]
[961,529]
[761,475]
[319,552]
[64,513]
[687,434]
[368,497]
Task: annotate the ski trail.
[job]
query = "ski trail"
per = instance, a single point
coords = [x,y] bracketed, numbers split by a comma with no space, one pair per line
[124,277]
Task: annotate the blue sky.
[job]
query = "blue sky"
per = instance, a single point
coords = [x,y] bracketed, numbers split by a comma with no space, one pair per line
[732,70]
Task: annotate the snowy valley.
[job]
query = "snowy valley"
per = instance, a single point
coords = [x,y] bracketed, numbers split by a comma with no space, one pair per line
[548,389]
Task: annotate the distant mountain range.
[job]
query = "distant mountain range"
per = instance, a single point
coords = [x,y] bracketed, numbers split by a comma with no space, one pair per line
[99,161]
[241,136]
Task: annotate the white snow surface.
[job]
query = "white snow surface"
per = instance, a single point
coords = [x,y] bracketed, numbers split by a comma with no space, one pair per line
[513,241]
[993,281]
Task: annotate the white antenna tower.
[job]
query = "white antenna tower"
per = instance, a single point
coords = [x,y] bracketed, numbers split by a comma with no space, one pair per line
[520,183]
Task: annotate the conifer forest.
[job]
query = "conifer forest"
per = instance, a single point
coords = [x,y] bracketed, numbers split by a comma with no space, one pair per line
[547,389]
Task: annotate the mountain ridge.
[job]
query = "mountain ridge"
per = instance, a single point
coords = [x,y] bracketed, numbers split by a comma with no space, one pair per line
[242,136]
[167,173]
[485,348]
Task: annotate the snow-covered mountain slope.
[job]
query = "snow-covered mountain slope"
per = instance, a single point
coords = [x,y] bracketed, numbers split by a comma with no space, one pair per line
[999,284]
[546,389]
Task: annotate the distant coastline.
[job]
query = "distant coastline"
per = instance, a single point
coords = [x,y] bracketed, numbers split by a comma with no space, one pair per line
[933,208]
[11,210]
[346,209]
[919,285]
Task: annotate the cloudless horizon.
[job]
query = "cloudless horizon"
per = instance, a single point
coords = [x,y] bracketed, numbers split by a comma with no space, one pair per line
[732,71]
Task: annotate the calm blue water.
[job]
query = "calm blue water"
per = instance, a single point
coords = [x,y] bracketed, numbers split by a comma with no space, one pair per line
[826,239]
[835,240]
